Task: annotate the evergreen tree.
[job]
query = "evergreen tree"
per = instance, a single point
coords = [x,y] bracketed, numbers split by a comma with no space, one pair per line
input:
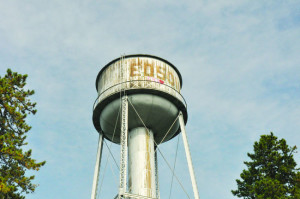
[271,173]
[15,105]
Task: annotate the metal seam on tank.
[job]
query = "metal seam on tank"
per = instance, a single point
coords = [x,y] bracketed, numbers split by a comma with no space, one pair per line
[148,115]
[132,110]
[138,108]
[110,125]
[160,121]
[106,121]
[170,136]
[102,117]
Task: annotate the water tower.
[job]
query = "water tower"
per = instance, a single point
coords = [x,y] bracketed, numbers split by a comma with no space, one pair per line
[139,106]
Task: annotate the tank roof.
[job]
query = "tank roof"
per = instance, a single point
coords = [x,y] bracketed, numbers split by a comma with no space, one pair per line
[139,55]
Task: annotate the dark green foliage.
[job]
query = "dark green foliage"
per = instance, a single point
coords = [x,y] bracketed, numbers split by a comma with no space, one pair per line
[14,161]
[271,173]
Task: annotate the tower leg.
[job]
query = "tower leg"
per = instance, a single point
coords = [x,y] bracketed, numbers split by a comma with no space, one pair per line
[97,167]
[188,156]
[141,162]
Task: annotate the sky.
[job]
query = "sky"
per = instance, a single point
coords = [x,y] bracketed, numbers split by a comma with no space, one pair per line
[239,61]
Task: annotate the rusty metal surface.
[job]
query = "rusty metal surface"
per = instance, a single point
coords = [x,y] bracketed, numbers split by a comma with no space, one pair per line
[133,75]
[139,68]
[137,56]
[141,162]
[135,84]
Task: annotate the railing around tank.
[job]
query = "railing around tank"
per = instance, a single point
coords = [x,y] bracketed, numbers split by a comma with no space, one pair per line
[139,84]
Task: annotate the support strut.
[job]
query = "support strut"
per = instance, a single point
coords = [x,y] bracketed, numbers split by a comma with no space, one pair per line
[97,167]
[188,157]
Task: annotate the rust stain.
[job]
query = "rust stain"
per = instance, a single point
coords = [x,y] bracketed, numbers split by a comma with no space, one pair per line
[161,72]
[148,179]
[171,79]
[139,68]
[130,184]
[134,68]
[149,192]
[148,69]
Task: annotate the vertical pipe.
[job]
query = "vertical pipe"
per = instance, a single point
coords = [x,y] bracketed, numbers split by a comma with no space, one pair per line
[141,162]
[97,167]
[188,156]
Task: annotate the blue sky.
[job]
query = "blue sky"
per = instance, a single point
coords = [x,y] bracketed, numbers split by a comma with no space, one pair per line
[241,78]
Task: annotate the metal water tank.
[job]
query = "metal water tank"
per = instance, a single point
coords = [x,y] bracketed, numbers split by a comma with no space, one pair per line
[153,87]
[139,106]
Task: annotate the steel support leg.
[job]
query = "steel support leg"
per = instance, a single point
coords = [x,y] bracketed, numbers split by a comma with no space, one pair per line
[97,167]
[188,156]
[123,138]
